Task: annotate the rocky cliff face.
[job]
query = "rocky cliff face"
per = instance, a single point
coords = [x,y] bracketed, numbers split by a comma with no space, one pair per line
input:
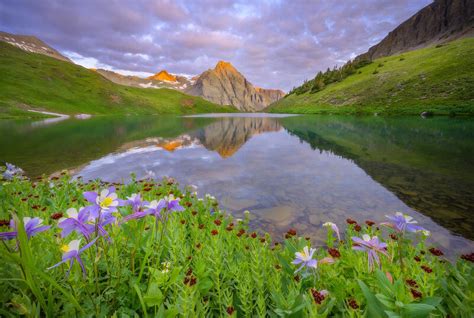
[225,85]
[441,21]
[163,76]
[31,44]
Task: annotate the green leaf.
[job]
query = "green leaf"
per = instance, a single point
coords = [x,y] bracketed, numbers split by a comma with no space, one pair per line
[154,296]
[417,310]
[386,301]
[374,308]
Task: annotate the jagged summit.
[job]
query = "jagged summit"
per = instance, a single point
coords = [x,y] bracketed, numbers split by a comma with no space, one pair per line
[163,75]
[223,65]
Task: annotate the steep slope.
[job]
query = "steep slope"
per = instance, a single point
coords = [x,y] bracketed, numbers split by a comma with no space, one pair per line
[35,81]
[31,44]
[439,22]
[225,85]
[437,79]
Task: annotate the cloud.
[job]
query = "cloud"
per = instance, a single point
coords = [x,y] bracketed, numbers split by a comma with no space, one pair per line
[274,43]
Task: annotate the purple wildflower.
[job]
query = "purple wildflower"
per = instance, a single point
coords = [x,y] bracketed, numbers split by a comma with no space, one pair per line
[11,171]
[334,228]
[135,201]
[104,203]
[33,226]
[403,222]
[305,258]
[76,221]
[372,246]
[72,252]
[172,204]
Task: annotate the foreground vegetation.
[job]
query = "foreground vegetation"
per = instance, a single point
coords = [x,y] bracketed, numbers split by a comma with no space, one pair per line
[135,250]
[35,81]
[436,79]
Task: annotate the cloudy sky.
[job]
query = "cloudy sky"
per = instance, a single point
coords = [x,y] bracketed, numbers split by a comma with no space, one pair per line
[274,43]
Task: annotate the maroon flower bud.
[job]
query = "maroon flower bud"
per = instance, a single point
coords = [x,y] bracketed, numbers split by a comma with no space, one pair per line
[369,223]
[253,235]
[353,304]
[468,257]
[436,252]
[351,221]
[217,222]
[411,282]
[426,269]
[194,213]
[318,297]
[183,221]
[56,216]
[214,232]
[417,258]
[415,293]
[357,228]
[230,310]
[334,252]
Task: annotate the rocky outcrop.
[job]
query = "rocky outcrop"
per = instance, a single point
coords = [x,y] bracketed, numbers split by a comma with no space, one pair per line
[441,21]
[31,44]
[225,85]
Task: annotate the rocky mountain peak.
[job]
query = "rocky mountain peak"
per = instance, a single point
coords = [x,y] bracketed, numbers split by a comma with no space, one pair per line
[222,65]
[163,75]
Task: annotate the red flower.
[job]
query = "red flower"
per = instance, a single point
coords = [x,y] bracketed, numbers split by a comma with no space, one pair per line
[415,293]
[296,278]
[198,245]
[369,223]
[262,240]
[201,226]
[183,221]
[147,189]
[394,237]
[253,235]
[4,222]
[334,252]
[468,257]
[188,204]
[229,228]
[277,267]
[214,232]
[217,222]
[417,258]
[56,216]
[357,228]
[194,213]
[291,232]
[436,252]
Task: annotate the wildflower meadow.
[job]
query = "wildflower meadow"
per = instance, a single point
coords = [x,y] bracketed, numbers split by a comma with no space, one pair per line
[154,249]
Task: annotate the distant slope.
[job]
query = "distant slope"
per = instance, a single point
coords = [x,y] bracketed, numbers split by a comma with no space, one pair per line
[31,44]
[438,79]
[35,81]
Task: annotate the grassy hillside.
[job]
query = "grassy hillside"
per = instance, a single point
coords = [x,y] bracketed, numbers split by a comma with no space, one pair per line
[437,79]
[34,81]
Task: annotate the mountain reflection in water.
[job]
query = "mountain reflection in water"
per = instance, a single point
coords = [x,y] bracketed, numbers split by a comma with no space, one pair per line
[296,171]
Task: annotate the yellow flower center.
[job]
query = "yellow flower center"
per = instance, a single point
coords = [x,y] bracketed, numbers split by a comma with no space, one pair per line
[65,248]
[106,203]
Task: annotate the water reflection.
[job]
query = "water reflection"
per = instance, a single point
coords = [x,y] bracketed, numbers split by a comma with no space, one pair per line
[295,171]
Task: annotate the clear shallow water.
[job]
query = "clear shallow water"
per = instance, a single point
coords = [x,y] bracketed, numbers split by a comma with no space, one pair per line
[288,171]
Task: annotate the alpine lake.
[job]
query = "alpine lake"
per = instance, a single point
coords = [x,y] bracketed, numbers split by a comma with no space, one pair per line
[288,171]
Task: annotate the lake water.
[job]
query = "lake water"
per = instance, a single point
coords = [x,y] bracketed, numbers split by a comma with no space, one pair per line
[289,171]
